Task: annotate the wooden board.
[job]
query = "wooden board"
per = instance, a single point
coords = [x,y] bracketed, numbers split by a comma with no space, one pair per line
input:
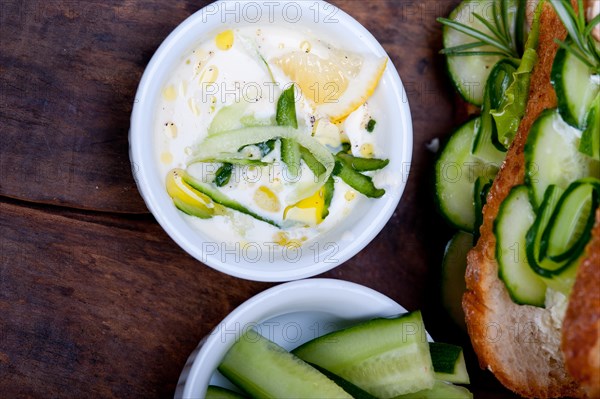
[95,299]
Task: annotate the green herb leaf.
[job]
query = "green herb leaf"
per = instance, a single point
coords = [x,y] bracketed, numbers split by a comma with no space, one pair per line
[286,109]
[223,174]
[487,39]
[371,125]
[581,44]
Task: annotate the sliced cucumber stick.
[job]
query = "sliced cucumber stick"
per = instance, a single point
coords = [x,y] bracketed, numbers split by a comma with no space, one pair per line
[449,363]
[347,386]
[385,357]
[515,218]
[266,370]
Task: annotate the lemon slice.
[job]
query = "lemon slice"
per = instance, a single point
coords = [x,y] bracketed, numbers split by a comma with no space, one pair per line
[338,85]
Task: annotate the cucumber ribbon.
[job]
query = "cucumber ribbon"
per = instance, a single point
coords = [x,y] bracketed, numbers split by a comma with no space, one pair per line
[215,146]
[561,230]
[286,116]
[217,196]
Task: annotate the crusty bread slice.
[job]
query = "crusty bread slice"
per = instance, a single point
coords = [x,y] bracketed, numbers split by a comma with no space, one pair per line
[581,328]
[519,344]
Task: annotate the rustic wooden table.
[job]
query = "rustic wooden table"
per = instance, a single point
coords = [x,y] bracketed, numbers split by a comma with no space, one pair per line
[95,299]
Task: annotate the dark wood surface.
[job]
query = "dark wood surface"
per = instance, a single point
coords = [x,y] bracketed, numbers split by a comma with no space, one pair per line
[95,299]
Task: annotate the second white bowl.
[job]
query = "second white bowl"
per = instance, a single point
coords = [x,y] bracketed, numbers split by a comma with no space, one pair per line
[290,315]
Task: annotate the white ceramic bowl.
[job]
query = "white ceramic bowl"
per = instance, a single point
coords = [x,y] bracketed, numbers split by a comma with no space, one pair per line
[331,248]
[289,314]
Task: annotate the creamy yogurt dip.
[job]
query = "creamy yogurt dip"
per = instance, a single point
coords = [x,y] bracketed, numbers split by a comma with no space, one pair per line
[233,82]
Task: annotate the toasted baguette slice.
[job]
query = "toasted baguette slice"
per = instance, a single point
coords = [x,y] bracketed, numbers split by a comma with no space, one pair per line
[581,328]
[519,344]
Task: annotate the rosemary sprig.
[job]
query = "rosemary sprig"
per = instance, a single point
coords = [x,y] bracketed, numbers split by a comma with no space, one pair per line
[581,44]
[500,36]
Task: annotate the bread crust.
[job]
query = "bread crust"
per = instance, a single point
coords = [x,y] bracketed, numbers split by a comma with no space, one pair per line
[581,327]
[519,344]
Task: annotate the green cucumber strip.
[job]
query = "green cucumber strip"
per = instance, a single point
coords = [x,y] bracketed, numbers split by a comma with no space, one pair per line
[469,74]
[315,166]
[286,109]
[449,363]
[456,171]
[186,198]
[444,357]
[223,174]
[347,386]
[220,198]
[236,159]
[485,143]
[265,370]
[264,147]
[228,118]
[212,146]
[552,156]
[215,392]
[543,267]
[290,155]
[454,266]
[569,227]
[286,116]
[515,218]
[192,210]
[361,183]
[574,86]
[363,164]
[327,196]
[385,357]
[440,390]
[252,121]
[480,193]
[590,138]
[231,141]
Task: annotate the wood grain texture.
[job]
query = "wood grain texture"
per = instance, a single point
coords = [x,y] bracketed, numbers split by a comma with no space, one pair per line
[101,307]
[95,299]
[69,72]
